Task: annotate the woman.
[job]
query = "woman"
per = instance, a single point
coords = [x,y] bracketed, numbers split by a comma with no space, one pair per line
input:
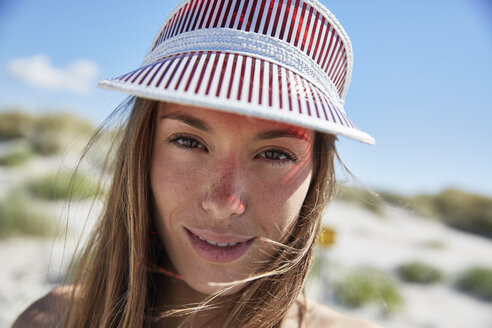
[222,172]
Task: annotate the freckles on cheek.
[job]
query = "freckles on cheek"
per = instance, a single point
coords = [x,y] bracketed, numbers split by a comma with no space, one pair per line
[172,179]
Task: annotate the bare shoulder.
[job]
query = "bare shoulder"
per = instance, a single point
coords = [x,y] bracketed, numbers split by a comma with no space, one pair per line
[317,315]
[48,311]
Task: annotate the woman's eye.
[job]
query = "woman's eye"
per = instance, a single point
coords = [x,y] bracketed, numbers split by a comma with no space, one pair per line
[186,142]
[277,156]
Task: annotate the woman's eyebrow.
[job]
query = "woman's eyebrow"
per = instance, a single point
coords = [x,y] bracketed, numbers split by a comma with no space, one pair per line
[284,133]
[192,121]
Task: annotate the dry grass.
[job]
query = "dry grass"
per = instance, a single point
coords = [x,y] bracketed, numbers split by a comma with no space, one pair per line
[46,134]
[20,215]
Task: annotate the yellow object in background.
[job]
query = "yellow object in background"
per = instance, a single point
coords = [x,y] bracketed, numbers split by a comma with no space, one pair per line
[327,236]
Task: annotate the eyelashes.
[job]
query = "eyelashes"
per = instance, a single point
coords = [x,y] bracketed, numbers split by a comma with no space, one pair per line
[184,141]
[273,155]
[277,155]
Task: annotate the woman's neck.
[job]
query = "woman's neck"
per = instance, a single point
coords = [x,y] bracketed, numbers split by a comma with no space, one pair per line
[173,293]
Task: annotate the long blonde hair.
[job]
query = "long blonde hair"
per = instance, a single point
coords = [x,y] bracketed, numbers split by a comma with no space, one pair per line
[112,283]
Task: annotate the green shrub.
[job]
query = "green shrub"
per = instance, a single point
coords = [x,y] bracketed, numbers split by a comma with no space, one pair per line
[59,186]
[477,281]
[465,211]
[419,272]
[364,197]
[18,154]
[14,124]
[49,133]
[19,217]
[369,286]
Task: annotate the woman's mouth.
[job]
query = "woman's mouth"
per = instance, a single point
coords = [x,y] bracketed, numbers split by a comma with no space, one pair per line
[218,248]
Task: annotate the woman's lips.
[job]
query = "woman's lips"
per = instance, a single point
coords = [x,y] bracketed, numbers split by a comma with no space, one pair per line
[219,248]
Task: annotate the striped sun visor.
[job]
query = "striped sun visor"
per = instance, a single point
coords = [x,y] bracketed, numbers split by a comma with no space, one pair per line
[284,60]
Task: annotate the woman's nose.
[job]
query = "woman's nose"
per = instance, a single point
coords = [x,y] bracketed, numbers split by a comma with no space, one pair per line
[224,194]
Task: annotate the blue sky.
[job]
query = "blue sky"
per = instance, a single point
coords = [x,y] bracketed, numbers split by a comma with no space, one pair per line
[422,80]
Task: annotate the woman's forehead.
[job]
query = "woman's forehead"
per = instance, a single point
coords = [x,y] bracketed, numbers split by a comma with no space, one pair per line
[211,116]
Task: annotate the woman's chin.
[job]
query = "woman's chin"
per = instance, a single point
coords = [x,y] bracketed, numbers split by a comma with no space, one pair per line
[210,287]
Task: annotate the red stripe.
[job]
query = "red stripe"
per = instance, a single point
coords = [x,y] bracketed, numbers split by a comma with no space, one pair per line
[342,85]
[299,27]
[233,73]
[324,50]
[137,73]
[286,16]
[307,30]
[315,99]
[335,59]
[226,13]
[241,78]
[269,16]
[306,98]
[324,26]
[221,75]
[340,79]
[190,56]
[219,11]
[251,15]
[187,10]
[211,14]
[205,10]
[159,38]
[323,105]
[260,16]
[176,22]
[127,76]
[292,27]
[262,68]
[298,95]
[289,90]
[146,74]
[212,73]
[341,71]
[344,118]
[277,17]
[337,114]
[242,19]
[202,73]
[155,72]
[280,93]
[270,85]
[197,15]
[193,70]
[171,77]
[327,49]
[171,26]
[168,27]
[251,79]
[171,60]
[234,14]
[350,124]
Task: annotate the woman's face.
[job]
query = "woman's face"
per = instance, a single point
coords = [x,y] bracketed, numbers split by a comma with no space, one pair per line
[221,183]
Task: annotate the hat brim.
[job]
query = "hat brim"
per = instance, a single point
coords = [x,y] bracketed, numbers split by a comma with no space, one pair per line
[241,84]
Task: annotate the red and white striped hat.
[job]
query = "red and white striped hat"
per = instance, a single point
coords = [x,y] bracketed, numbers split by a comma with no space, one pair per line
[282,60]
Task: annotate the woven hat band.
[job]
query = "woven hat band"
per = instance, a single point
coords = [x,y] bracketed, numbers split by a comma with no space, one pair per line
[306,25]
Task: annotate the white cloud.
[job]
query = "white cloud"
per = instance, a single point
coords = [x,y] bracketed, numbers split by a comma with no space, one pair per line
[79,76]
